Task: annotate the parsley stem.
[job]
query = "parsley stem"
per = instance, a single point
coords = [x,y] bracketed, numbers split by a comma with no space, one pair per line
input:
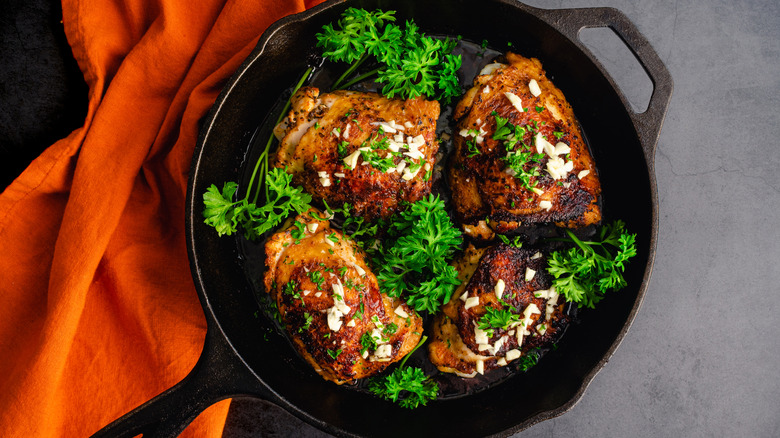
[350,70]
[422,341]
[262,161]
[360,78]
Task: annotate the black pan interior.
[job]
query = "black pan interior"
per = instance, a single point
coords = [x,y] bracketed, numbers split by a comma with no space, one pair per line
[548,389]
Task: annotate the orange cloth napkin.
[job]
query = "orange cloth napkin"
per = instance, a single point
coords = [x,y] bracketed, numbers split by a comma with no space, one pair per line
[98,312]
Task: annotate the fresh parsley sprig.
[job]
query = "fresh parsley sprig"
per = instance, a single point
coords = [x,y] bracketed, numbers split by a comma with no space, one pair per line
[522,160]
[585,272]
[226,215]
[408,63]
[414,260]
[409,387]
[497,318]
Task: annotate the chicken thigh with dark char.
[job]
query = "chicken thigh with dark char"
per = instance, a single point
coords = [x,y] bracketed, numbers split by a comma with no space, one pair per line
[512,285]
[519,157]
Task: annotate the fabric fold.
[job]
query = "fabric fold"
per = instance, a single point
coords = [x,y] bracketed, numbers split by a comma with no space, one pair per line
[98,312]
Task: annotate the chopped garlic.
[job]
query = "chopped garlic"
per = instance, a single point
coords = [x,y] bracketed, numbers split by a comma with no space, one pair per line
[334,318]
[530,310]
[490,68]
[408,176]
[351,159]
[359,269]
[486,90]
[339,175]
[383,351]
[480,336]
[558,168]
[533,86]
[312,227]
[537,190]
[583,173]
[529,274]
[387,127]
[501,362]
[547,205]
[401,312]
[537,255]
[562,148]
[351,323]
[515,99]
[512,354]
[464,296]
[471,302]
[499,343]
[500,285]
[552,301]
[480,366]
[539,142]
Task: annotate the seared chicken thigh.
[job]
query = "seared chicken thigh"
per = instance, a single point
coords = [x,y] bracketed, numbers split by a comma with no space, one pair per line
[525,311]
[359,148]
[519,157]
[330,304]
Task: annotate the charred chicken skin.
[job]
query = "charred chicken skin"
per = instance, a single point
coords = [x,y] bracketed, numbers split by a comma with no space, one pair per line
[330,304]
[519,157]
[500,278]
[359,148]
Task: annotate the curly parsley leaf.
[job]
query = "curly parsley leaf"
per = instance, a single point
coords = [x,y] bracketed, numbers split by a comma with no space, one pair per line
[408,63]
[522,162]
[226,215]
[414,260]
[219,211]
[528,360]
[587,271]
[357,30]
[497,318]
[407,386]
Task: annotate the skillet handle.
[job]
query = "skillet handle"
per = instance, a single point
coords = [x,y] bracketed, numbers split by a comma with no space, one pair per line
[648,123]
[219,374]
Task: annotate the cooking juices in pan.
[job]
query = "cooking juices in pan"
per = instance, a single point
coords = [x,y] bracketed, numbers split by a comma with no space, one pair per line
[475,57]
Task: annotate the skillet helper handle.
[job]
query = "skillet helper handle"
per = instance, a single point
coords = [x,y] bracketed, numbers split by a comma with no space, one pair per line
[648,123]
[218,375]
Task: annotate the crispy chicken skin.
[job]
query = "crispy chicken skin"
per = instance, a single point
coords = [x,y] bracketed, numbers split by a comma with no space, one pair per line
[327,141]
[483,185]
[328,300]
[460,347]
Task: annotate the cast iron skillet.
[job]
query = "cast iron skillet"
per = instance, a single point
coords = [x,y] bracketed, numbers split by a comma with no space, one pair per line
[237,358]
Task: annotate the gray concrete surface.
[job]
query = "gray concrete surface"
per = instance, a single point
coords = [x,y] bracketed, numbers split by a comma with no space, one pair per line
[703,356]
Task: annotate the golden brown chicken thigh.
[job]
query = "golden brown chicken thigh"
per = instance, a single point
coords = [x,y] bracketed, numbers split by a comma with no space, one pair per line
[519,157]
[330,304]
[359,148]
[499,280]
